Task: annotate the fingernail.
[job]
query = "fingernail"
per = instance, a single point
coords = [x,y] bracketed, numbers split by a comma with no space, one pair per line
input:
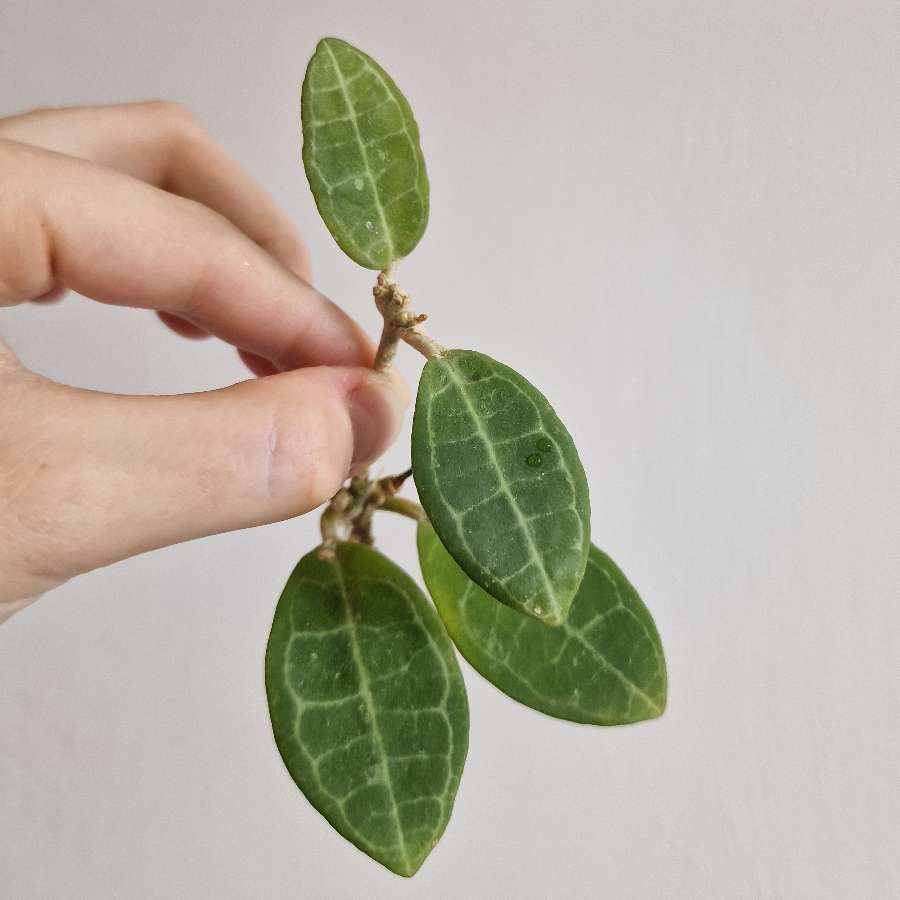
[375,411]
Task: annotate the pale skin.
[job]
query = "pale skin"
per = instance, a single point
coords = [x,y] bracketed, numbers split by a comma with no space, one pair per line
[136,205]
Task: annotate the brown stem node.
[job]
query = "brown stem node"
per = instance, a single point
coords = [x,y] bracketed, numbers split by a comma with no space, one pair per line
[400,324]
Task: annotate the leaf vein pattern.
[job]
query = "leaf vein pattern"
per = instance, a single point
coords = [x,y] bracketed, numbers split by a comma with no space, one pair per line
[551,594]
[572,634]
[506,485]
[342,82]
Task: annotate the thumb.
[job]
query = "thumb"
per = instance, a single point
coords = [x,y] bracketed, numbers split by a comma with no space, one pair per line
[95,478]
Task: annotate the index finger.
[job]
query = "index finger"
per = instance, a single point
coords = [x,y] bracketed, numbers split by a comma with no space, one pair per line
[121,241]
[160,142]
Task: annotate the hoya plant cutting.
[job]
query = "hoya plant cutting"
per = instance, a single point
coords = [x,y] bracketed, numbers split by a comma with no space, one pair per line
[367,701]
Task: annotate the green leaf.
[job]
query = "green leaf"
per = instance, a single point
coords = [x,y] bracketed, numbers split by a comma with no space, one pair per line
[501,481]
[367,703]
[603,666]
[362,155]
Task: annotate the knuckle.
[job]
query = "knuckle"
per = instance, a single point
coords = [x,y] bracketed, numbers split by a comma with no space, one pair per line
[206,288]
[214,271]
[180,123]
[176,122]
[169,110]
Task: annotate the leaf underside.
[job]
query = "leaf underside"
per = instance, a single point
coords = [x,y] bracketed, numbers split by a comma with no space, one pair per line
[501,481]
[362,156]
[367,703]
[603,666]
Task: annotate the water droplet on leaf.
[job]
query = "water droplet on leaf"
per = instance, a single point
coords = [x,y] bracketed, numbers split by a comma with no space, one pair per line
[370,226]
[544,445]
[535,460]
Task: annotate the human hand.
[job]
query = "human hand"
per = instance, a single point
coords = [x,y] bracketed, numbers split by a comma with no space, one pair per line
[137,206]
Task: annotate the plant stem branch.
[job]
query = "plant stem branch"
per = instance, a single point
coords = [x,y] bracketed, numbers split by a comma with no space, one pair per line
[400,324]
[349,514]
[348,517]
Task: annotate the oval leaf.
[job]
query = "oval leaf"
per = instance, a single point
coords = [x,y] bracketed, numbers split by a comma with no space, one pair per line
[603,666]
[362,156]
[501,481]
[367,703]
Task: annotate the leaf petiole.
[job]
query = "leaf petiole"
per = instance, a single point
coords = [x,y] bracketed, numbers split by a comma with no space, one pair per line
[404,507]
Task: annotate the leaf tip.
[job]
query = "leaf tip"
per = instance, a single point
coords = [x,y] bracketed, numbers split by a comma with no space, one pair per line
[330,42]
[654,707]
[408,871]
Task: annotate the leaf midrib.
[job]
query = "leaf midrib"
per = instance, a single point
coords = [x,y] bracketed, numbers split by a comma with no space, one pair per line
[366,694]
[523,524]
[388,237]
[576,635]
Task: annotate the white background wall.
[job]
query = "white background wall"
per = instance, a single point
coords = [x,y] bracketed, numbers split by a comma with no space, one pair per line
[675,218]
